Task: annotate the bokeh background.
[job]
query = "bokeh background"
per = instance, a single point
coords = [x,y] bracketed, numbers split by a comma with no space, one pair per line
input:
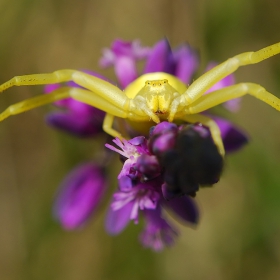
[239,233]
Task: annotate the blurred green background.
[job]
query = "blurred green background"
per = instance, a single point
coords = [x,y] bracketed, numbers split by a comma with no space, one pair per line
[239,233]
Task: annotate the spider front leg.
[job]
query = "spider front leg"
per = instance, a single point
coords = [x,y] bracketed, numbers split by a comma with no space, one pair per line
[207,80]
[98,86]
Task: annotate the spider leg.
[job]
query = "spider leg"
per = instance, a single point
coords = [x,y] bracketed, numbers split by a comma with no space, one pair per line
[100,87]
[78,94]
[34,102]
[213,127]
[108,126]
[217,97]
[207,80]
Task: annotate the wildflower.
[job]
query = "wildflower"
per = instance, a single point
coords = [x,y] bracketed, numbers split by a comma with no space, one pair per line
[162,169]
[153,175]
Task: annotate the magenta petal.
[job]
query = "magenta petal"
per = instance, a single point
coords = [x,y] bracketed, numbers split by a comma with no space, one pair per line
[125,183]
[187,61]
[125,69]
[79,195]
[158,232]
[77,124]
[51,87]
[117,220]
[160,58]
[233,137]
[185,208]
[162,128]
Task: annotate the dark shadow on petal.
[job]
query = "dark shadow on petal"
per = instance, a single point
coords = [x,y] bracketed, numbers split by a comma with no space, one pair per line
[234,138]
[160,59]
[185,209]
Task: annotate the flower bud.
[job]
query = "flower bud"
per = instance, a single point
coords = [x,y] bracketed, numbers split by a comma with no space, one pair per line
[79,195]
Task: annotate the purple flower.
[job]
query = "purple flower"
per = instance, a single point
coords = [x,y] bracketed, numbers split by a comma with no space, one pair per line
[162,170]
[141,188]
[79,195]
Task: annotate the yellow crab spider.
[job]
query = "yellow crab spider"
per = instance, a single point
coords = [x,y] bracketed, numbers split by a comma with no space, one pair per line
[151,97]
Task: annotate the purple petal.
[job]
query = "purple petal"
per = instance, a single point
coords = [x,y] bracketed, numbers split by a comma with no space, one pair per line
[233,105]
[136,141]
[51,87]
[125,183]
[233,137]
[132,50]
[158,233]
[185,208]
[162,128]
[186,61]
[160,59]
[117,220]
[77,124]
[79,195]
[125,69]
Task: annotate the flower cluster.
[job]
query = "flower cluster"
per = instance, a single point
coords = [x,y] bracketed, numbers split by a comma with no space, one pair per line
[162,170]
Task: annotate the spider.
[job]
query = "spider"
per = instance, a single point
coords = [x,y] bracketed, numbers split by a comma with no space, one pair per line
[153,97]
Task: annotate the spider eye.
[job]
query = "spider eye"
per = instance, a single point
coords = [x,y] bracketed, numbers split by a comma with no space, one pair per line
[148,83]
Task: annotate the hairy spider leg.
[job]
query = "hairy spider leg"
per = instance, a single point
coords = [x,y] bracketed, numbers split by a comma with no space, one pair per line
[207,80]
[227,93]
[213,127]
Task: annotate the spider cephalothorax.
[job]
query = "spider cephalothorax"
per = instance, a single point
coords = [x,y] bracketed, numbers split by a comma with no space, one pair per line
[155,96]
[158,95]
